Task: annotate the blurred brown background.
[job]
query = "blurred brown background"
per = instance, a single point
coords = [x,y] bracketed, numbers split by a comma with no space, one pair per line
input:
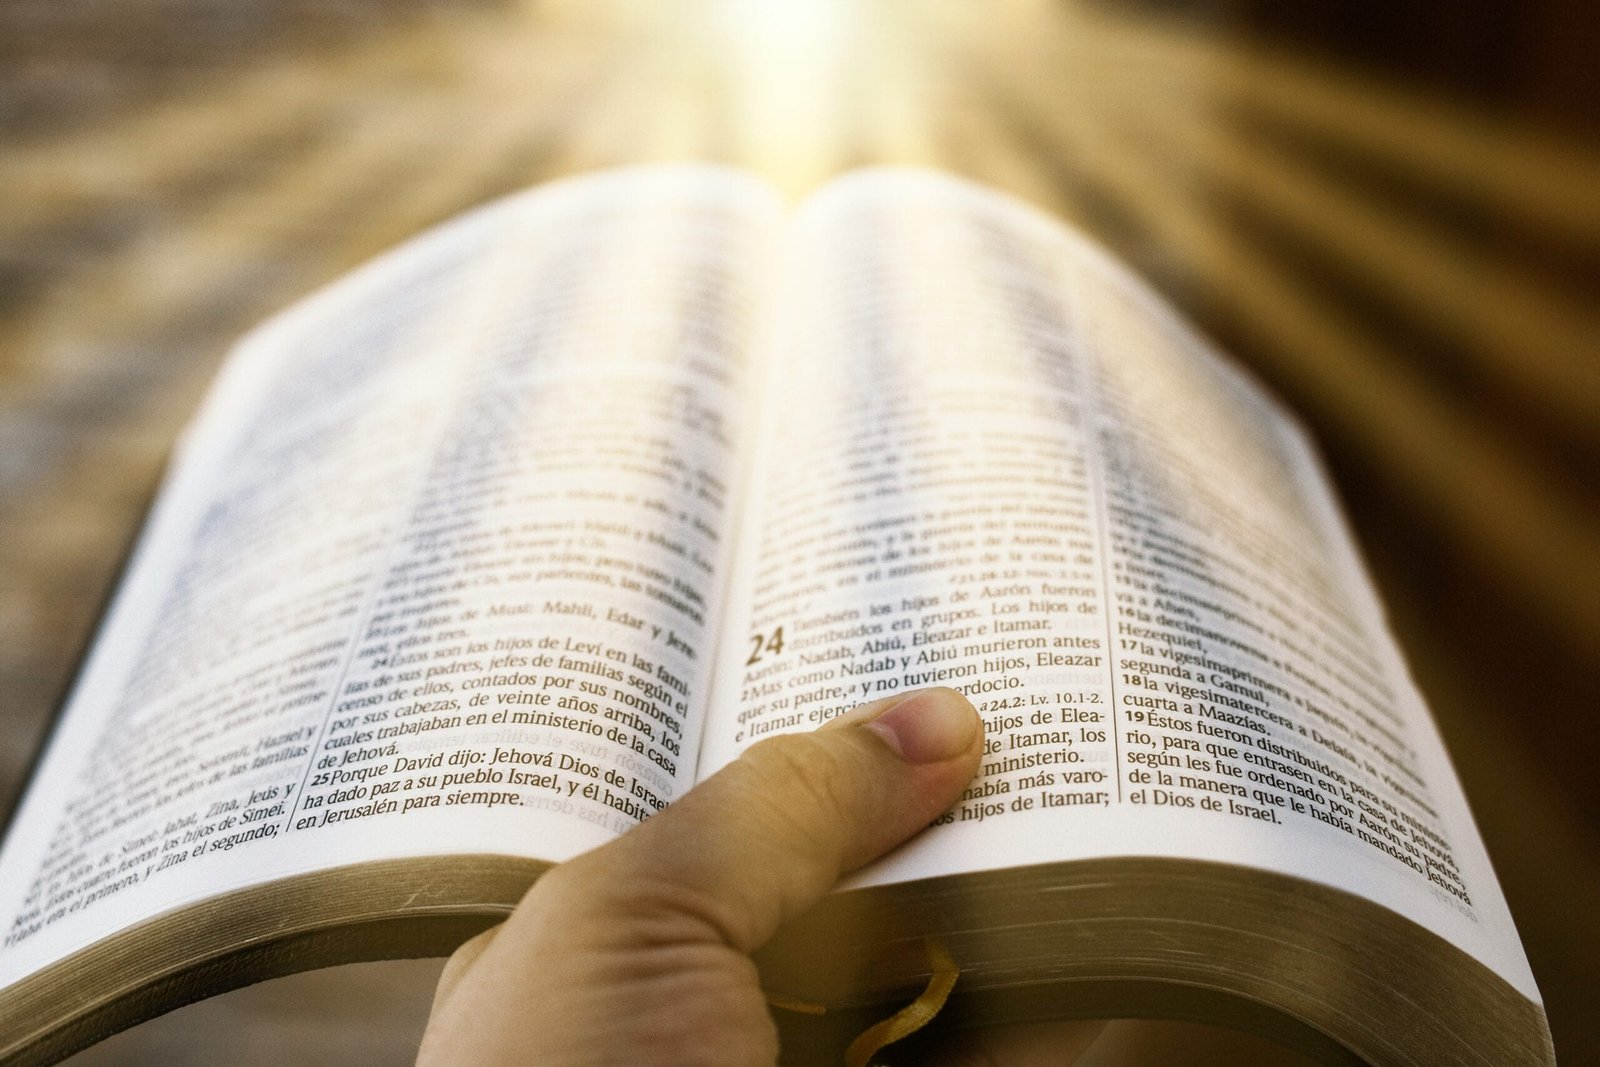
[1390,210]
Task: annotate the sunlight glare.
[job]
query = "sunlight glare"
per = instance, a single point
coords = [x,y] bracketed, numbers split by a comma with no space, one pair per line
[785,60]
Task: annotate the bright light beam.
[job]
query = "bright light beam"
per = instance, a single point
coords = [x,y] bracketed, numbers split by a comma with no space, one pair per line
[785,62]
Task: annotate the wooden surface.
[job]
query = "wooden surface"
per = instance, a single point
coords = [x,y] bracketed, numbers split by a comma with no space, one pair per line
[1400,231]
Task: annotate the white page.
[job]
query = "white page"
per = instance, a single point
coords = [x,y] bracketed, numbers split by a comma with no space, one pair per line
[995,461]
[436,572]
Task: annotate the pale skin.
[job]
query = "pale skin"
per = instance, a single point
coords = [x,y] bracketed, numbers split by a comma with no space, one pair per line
[639,951]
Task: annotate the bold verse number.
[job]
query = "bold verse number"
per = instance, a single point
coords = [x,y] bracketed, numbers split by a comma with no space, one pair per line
[759,645]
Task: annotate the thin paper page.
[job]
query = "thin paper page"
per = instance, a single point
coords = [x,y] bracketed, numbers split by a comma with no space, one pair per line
[439,570]
[999,464]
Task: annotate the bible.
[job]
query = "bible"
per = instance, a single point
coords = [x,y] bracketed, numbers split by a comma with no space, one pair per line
[492,549]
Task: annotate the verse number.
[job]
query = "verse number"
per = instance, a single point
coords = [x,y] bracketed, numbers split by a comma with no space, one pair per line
[760,646]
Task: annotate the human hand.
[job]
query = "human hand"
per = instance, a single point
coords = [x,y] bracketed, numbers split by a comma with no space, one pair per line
[639,952]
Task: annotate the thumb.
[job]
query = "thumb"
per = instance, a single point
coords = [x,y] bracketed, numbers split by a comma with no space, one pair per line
[768,835]
[638,950]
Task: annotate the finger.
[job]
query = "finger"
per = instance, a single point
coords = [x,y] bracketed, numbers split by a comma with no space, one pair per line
[769,834]
[460,963]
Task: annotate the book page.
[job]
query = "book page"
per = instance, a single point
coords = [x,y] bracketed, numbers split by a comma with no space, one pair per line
[436,572]
[1001,465]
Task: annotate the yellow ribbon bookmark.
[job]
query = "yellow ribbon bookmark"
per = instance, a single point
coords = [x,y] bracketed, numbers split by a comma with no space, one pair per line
[911,1018]
[804,1007]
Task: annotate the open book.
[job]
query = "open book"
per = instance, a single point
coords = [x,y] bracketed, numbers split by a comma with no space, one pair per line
[494,548]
